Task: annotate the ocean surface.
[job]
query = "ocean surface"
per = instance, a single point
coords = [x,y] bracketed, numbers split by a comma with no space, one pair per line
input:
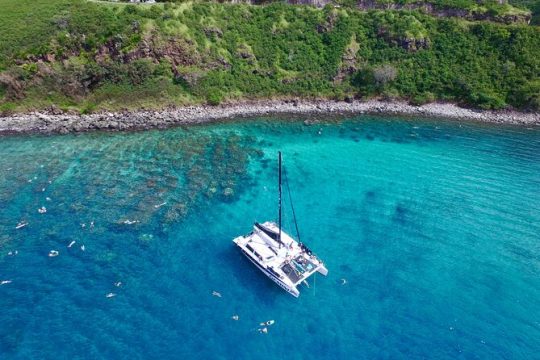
[434,225]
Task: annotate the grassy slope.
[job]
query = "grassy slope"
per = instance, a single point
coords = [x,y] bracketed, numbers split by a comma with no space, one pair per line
[211,52]
[25,25]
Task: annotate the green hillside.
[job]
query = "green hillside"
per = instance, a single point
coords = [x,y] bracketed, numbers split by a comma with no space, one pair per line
[86,56]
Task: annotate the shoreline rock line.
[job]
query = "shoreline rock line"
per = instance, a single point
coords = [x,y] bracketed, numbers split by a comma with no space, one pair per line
[41,122]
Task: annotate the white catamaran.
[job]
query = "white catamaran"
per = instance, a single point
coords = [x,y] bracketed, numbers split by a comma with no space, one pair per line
[280,257]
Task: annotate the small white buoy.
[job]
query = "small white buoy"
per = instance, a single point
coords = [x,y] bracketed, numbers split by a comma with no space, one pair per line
[110,295]
[48,198]
[53,253]
[71,243]
[42,189]
[215,293]
[235,317]
[83,225]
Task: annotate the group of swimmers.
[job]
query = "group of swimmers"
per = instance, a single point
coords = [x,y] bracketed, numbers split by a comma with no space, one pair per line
[235,317]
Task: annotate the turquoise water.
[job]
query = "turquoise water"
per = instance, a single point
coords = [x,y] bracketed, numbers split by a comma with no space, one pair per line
[434,225]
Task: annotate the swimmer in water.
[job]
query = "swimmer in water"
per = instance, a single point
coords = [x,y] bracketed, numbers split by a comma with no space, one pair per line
[235,317]
[83,248]
[42,210]
[53,253]
[215,293]
[268,323]
[263,330]
[110,295]
[343,281]
[4,282]
[71,243]
[118,284]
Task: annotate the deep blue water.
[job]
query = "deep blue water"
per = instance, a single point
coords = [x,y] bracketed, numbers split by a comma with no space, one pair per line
[435,226]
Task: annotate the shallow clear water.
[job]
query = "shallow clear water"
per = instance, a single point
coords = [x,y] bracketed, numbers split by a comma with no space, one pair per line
[435,226]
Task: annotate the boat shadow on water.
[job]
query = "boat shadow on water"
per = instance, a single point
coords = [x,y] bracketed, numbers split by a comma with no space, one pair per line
[249,278]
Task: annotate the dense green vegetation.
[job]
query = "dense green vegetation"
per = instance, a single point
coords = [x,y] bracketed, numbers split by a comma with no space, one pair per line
[92,55]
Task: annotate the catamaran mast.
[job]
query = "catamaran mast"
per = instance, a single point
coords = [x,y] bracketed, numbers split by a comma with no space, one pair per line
[279,202]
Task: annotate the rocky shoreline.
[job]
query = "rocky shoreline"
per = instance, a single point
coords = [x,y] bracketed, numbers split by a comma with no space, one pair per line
[51,123]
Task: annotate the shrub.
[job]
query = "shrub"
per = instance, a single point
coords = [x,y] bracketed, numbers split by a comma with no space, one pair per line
[88,108]
[7,108]
[139,71]
[382,75]
[423,98]
[214,97]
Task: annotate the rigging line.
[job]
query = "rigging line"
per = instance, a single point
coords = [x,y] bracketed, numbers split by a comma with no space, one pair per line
[279,156]
[292,206]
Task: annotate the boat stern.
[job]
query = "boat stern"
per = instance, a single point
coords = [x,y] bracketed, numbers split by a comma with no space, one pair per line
[322,270]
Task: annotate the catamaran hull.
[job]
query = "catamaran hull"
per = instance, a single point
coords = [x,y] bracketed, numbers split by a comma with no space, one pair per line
[294,292]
